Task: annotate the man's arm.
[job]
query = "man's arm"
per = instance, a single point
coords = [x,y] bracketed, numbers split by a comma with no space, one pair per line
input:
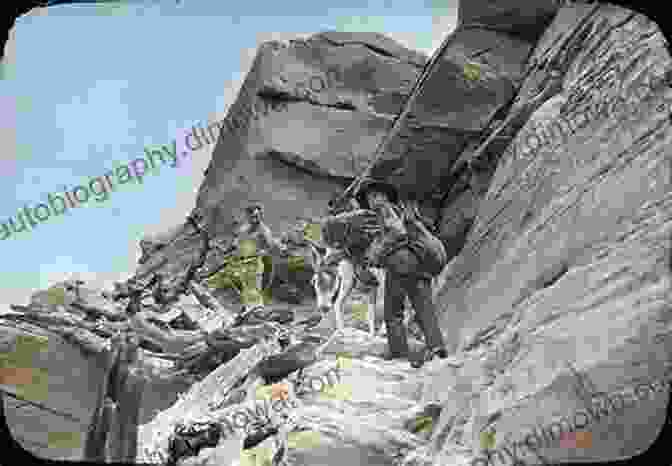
[271,243]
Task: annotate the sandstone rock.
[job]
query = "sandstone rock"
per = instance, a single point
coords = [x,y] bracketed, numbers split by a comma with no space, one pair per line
[519,19]
[572,241]
[339,92]
[295,177]
[476,76]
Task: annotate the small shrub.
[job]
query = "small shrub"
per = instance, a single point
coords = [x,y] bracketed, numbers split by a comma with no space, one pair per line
[56,295]
[312,231]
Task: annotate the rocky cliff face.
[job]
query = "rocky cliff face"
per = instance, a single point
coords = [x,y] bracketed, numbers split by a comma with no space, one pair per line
[306,121]
[567,260]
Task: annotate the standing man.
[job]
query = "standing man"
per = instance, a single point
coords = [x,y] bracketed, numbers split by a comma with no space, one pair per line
[411,257]
[255,246]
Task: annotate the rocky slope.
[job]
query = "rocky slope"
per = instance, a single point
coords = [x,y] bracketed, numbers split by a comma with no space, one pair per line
[567,259]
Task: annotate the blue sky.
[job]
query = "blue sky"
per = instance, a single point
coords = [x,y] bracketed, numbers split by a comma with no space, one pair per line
[85,88]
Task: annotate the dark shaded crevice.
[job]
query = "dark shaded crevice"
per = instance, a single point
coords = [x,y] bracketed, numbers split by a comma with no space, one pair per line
[526,219]
[547,279]
[499,114]
[317,173]
[530,32]
[273,95]
[455,243]
[481,52]
[373,48]
[552,276]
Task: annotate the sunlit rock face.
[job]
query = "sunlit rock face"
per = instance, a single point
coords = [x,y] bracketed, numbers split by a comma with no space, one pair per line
[306,121]
[566,258]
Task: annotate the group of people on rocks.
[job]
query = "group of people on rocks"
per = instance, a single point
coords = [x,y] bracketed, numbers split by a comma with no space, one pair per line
[396,240]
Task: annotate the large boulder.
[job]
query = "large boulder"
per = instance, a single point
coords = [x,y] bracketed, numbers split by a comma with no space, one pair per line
[63,382]
[306,121]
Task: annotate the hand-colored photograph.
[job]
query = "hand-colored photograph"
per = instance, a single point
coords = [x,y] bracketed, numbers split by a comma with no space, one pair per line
[383,233]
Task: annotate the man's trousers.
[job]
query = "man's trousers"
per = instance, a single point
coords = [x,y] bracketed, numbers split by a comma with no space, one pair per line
[401,281]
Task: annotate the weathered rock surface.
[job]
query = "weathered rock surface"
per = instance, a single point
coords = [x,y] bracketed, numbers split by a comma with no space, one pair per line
[362,405]
[68,385]
[306,121]
[525,20]
[476,77]
[567,260]
[334,96]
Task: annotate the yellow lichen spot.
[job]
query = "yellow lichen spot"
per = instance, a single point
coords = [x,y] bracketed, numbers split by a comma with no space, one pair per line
[304,440]
[17,365]
[339,391]
[423,423]
[264,392]
[296,263]
[247,247]
[64,440]
[221,279]
[344,360]
[267,296]
[251,296]
[359,311]
[487,440]
[55,295]
[313,232]
[472,72]
[28,345]
[257,456]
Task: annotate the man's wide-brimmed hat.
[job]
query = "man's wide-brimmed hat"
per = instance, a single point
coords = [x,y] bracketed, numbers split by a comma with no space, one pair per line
[370,185]
[251,207]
